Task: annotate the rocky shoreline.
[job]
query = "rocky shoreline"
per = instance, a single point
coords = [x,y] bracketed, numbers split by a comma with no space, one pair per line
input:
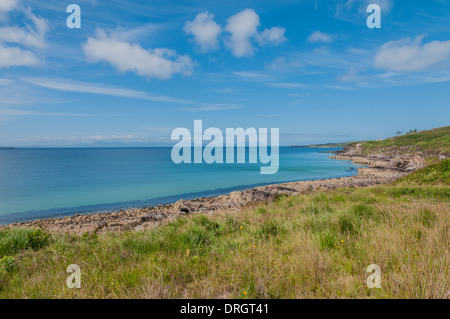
[379,171]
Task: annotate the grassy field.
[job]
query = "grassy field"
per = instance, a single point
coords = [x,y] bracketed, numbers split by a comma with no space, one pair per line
[432,143]
[316,245]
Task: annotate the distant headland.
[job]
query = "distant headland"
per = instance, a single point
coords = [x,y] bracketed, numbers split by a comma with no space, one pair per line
[327,145]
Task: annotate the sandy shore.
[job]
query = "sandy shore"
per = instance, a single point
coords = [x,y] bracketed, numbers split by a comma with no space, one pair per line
[378,172]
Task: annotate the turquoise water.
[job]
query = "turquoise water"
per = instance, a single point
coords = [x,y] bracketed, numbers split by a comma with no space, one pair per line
[38,183]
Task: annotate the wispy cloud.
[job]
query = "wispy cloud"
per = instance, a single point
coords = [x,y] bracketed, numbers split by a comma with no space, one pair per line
[283,64]
[213,107]
[287,85]
[251,75]
[270,115]
[93,88]
[137,33]
[225,90]
[29,37]
[347,10]
[354,75]
[320,37]
[90,139]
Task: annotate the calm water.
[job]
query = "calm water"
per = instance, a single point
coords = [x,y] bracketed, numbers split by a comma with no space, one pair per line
[37,183]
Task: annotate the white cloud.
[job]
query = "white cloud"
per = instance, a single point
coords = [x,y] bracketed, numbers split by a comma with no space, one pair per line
[242,27]
[151,63]
[205,31]
[273,36]
[242,33]
[16,57]
[407,55]
[318,36]
[8,5]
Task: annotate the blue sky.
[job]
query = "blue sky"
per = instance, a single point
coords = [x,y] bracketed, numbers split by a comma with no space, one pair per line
[135,71]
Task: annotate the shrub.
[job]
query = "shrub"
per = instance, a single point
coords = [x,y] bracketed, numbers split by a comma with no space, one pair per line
[12,241]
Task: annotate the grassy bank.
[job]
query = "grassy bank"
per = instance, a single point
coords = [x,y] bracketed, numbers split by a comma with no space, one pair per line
[316,245]
[430,143]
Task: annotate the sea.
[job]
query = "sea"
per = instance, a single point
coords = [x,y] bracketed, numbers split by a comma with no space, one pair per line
[54,182]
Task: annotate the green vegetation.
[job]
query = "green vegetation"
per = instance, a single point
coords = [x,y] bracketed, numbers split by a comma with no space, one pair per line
[437,174]
[432,143]
[316,245]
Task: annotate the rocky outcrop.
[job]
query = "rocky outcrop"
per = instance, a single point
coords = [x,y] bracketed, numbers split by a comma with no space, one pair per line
[398,158]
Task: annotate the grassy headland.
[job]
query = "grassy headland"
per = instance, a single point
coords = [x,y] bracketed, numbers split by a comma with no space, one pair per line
[430,143]
[313,245]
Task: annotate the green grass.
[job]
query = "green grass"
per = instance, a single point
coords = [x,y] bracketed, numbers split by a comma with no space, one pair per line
[437,174]
[13,241]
